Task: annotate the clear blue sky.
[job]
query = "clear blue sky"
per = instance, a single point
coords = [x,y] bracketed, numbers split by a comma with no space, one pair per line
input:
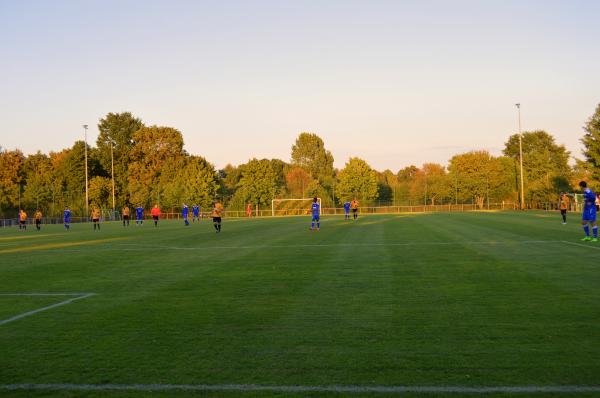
[393,82]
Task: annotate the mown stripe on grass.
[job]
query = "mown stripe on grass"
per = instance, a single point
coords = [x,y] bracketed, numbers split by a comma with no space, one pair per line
[26,236]
[62,245]
[296,389]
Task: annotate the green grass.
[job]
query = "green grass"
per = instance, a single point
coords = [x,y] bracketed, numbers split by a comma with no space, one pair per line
[474,299]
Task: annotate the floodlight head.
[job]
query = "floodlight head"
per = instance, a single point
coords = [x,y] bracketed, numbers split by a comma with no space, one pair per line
[518,105]
[85,126]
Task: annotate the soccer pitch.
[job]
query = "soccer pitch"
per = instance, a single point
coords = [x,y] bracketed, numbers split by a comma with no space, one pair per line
[501,304]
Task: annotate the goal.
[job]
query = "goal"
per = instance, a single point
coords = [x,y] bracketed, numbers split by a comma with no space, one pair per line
[292,207]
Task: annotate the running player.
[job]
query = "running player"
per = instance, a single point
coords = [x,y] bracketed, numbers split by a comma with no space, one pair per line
[139,215]
[316,215]
[195,213]
[184,212]
[346,210]
[354,206]
[217,215]
[67,218]
[155,212]
[96,217]
[126,215]
[589,213]
[38,219]
[563,205]
[22,219]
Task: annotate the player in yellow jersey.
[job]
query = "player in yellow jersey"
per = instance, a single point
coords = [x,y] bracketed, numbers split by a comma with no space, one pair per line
[38,219]
[126,215]
[217,215]
[22,219]
[563,205]
[354,207]
[96,217]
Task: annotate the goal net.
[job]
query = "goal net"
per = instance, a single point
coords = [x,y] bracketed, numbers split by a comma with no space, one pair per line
[292,207]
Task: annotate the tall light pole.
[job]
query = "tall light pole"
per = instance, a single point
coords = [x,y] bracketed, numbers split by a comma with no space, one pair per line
[112,172]
[87,210]
[521,158]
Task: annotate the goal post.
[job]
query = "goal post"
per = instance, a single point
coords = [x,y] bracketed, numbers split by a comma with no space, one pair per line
[292,207]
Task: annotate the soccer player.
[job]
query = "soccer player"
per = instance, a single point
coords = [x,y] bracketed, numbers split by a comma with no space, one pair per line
[346,210]
[126,213]
[67,218]
[96,217]
[563,205]
[155,212]
[589,213]
[22,219]
[184,212]
[139,215]
[217,215]
[195,213]
[38,219]
[316,215]
[249,210]
[354,206]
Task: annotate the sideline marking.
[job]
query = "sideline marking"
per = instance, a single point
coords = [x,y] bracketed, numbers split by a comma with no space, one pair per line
[283,388]
[48,246]
[78,296]
[581,244]
[458,243]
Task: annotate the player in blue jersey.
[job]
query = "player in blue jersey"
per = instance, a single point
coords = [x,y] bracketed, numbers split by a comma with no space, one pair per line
[67,218]
[346,210]
[589,213]
[184,213]
[316,214]
[195,213]
[139,215]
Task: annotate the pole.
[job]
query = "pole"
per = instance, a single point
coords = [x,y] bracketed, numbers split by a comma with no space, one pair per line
[112,172]
[521,158]
[87,210]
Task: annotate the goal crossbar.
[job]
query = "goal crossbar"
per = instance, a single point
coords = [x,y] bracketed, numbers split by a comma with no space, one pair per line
[293,200]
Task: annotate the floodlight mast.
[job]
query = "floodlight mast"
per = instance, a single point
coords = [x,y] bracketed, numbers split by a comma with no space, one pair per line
[521,158]
[87,210]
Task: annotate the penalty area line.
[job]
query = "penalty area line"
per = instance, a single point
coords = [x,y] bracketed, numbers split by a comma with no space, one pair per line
[78,296]
[296,388]
[581,245]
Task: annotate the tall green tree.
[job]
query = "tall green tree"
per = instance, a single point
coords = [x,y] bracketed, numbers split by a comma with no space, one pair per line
[298,182]
[37,175]
[116,131]
[430,184]
[258,183]
[194,183]
[591,143]
[309,153]
[357,180]
[545,165]
[156,156]
[477,175]
[10,180]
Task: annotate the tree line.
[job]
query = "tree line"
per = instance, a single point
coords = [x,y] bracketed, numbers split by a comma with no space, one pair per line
[151,166]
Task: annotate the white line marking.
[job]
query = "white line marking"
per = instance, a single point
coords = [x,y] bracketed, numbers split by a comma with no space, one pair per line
[282,388]
[581,244]
[458,243]
[79,296]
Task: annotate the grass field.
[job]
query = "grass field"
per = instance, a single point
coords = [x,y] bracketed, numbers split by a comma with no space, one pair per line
[446,300]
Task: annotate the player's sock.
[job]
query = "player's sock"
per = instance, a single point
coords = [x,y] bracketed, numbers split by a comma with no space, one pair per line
[586,229]
[219,227]
[318,225]
[312,225]
[595,231]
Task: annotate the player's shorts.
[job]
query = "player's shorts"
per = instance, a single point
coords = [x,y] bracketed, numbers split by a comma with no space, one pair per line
[589,214]
[95,220]
[38,222]
[22,222]
[563,211]
[155,218]
[354,210]
[217,219]
[125,217]
[315,218]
